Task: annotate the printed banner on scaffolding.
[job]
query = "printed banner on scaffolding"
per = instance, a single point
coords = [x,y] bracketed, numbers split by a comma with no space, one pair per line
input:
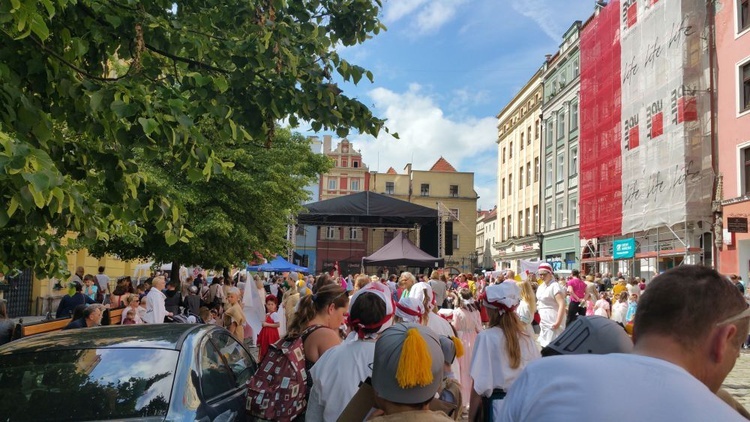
[662,152]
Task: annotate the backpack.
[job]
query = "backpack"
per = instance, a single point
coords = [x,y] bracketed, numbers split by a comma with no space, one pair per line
[278,390]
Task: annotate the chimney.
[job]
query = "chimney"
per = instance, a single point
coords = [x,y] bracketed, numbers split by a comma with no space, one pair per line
[547,57]
[326,144]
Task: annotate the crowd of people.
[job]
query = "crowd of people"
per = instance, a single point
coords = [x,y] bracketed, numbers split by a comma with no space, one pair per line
[440,347]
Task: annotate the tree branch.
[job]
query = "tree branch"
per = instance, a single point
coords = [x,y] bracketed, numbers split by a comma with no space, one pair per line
[74,67]
[186,60]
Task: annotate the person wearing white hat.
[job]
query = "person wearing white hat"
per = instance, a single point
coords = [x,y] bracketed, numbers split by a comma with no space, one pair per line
[409,309]
[406,374]
[550,303]
[501,352]
[339,371]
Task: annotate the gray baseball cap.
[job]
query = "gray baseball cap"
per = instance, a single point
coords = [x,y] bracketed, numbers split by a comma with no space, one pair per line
[388,358]
[592,335]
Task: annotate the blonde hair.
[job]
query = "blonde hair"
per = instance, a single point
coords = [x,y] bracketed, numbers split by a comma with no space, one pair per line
[130,298]
[513,329]
[527,295]
[361,281]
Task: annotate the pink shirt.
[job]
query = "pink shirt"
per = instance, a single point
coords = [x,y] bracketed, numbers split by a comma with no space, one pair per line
[579,288]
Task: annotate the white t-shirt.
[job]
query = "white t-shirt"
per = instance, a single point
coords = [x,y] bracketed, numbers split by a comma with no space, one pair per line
[103,280]
[418,290]
[554,388]
[336,377]
[155,310]
[441,327]
[490,367]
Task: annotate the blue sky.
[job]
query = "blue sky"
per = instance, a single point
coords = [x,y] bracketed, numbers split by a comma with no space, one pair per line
[444,69]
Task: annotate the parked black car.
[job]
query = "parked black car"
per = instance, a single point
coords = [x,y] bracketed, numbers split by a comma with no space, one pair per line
[159,372]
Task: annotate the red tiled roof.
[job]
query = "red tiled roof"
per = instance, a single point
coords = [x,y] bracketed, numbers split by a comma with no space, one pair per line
[391,171]
[443,165]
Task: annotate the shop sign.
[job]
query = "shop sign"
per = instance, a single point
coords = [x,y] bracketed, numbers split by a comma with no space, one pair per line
[737,224]
[624,249]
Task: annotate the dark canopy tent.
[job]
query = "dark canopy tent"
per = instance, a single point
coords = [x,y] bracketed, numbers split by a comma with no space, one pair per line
[400,251]
[366,209]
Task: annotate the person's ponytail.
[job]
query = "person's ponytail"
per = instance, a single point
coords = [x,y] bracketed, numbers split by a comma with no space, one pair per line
[310,305]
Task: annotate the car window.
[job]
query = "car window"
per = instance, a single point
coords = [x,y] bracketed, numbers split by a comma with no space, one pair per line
[87,384]
[241,363]
[216,377]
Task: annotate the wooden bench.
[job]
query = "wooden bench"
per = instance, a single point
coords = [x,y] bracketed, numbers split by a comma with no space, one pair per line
[20,330]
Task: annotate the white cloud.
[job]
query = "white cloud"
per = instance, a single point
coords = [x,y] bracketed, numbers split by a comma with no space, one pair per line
[546,14]
[426,134]
[427,16]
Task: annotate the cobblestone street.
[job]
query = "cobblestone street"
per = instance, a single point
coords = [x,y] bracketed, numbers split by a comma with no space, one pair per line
[738,381]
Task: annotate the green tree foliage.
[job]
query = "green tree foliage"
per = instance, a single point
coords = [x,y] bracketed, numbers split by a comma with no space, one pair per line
[99,97]
[246,205]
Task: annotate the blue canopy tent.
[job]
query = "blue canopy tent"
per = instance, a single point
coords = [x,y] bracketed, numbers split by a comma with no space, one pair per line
[278,264]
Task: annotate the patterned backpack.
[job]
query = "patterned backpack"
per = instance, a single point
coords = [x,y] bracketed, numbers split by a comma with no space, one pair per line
[278,390]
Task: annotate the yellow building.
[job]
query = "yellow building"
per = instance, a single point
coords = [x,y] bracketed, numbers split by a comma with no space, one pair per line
[443,188]
[518,175]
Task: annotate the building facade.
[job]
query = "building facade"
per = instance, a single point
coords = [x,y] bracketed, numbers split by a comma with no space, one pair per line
[518,176]
[487,230]
[345,245]
[443,188]
[306,237]
[732,35]
[647,161]
[561,244]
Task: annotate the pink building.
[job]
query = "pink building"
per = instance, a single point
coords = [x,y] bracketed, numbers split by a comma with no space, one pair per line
[733,131]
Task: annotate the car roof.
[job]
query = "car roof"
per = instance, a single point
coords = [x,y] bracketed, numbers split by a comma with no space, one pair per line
[145,336]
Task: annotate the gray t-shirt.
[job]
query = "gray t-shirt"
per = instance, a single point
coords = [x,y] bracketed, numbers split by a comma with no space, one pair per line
[103,280]
[438,287]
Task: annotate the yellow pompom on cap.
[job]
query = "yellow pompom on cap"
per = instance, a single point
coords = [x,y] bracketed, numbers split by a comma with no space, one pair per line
[459,346]
[415,362]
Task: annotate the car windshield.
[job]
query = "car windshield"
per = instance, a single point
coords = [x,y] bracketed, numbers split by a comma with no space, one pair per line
[87,384]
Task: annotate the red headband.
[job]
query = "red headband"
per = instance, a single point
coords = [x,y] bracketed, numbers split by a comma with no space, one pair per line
[408,311]
[360,328]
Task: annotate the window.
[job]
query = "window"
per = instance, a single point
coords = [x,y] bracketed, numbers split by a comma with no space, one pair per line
[536,217]
[528,136]
[560,214]
[560,124]
[216,378]
[573,157]
[743,18]
[574,116]
[520,178]
[550,133]
[573,211]
[528,173]
[239,360]
[344,162]
[548,217]
[560,167]
[745,167]
[300,230]
[355,233]
[331,184]
[536,130]
[455,242]
[528,222]
[332,233]
[355,164]
[424,189]
[576,70]
[454,191]
[548,175]
[520,223]
[536,169]
[510,225]
[520,145]
[389,188]
[745,91]
[388,235]
[502,187]
[510,150]
[454,213]
[355,185]
[510,184]
[503,154]
[502,229]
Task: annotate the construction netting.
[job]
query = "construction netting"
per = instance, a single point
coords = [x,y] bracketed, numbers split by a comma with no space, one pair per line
[601,171]
[657,167]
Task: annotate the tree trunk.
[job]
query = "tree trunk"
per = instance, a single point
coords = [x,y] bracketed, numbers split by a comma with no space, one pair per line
[174,274]
[226,273]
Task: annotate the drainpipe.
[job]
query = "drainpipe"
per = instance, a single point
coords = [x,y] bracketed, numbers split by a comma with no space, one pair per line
[716,208]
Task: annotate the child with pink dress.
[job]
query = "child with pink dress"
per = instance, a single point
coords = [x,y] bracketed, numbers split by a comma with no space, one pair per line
[602,306]
[467,323]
